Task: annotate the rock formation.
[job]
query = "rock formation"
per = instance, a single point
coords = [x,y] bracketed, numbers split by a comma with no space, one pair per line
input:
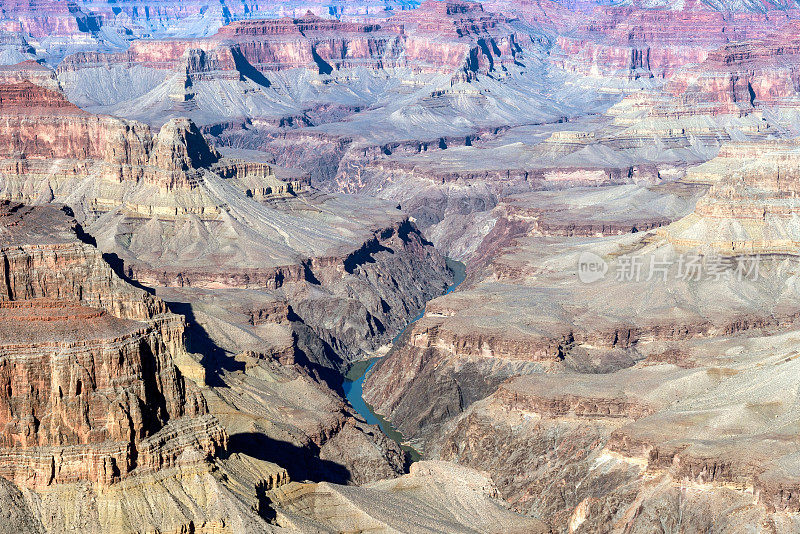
[620,179]
[163,191]
[653,400]
[750,209]
[437,37]
[90,389]
[271,245]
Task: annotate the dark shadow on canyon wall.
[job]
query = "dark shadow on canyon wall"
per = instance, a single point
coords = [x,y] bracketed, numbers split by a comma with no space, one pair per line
[215,360]
[247,70]
[313,354]
[301,463]
[324,66]
[118,266]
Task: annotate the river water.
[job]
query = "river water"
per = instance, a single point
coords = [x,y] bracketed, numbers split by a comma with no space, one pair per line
[354,380]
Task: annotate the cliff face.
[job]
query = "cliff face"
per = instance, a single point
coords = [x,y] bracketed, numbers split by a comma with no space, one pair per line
[124,151]
[647,41]
[617,404]
[628,424]
[630,43]
[437,37]
[95,411]
[121,154]
[135,19]
[90,391]
[750,206]
[40,18]
[741,77]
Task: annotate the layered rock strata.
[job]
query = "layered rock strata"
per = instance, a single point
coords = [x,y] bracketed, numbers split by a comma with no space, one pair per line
[90,391]
[281,287]
[177,214]
[614,435]
[439,36]
[750,208]
[530,374]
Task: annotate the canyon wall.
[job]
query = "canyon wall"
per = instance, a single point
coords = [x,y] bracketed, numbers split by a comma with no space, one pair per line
[90,389]
[436,38]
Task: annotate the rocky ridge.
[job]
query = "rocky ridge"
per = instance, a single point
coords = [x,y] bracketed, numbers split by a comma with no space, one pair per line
[516,362]
[437,37]
[573,123]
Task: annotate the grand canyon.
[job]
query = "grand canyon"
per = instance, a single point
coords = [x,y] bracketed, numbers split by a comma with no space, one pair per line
[440,266]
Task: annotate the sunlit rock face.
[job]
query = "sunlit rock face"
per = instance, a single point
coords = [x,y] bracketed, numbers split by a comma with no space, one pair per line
[195,219]
[210,151]
[437,37]
[48,126]
[90,390]
[739,78]
[46,18]
[648,39]
[752,205]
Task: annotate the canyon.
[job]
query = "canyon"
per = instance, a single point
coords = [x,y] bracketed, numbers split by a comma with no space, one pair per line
[214,214]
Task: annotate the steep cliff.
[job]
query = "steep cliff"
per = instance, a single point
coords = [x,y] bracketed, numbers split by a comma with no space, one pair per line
[437,37]
[90,389]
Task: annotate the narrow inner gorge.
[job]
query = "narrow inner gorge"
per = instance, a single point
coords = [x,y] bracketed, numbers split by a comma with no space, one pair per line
[354,379]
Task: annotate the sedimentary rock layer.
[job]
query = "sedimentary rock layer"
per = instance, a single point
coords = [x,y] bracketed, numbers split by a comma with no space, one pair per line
[436,37]
[90,390]
[510,374]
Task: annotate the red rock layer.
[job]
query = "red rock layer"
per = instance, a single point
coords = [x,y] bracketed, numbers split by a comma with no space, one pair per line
[87,378]
[739,77]
[31,71]
[40,124]
[292,26]
[449,19]
[24,97]
[634,41]
[439,36]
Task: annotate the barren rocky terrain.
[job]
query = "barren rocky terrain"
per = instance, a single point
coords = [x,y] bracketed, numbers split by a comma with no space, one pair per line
[214,214]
